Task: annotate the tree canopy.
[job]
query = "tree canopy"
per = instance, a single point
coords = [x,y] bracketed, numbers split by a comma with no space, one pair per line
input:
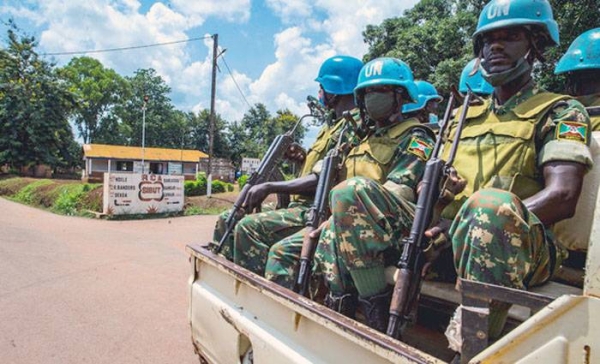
[35,105]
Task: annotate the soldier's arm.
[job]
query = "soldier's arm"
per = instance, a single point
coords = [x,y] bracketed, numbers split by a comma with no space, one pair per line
[564,158]
[302,186]
[558,199]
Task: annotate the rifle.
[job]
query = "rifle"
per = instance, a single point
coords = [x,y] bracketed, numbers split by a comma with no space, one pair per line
[322,114]
[267,165]
[408,283]
[319,211]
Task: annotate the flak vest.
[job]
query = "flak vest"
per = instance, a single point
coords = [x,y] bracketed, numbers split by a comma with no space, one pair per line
[498,150]
[371,159]
[326,139]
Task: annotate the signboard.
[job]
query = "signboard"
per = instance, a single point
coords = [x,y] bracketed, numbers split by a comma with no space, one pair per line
[175,168]
[250,165]
[137,167]
[136,193]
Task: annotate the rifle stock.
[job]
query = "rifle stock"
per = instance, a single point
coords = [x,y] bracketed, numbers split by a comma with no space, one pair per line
[408,283]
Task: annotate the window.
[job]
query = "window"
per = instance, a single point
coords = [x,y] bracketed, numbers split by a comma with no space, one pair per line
[125,166]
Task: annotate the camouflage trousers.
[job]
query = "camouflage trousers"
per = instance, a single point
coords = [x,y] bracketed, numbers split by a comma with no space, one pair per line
[367,221]
[255,234]
[496,239]
[221,228]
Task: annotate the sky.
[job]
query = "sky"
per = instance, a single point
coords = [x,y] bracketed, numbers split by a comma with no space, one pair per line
[272,48]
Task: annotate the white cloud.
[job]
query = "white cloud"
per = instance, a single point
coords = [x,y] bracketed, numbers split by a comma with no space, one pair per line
[199,10]
[291,10]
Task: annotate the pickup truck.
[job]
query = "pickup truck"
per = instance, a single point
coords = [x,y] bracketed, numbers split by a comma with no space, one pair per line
[237,316]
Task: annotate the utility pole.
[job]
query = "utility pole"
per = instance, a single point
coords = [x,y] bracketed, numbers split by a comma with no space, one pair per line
[144,131]
[211,128]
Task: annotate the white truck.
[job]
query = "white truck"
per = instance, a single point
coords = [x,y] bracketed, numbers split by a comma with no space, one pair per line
[239,317]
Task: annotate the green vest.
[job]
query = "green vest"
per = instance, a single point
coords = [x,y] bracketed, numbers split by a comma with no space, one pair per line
[326,139]
[372,157]
[497,150]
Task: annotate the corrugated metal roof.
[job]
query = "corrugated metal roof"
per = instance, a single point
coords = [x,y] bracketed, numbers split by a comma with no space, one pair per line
[135,153]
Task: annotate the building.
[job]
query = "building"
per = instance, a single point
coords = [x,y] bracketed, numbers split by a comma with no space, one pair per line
[102,158]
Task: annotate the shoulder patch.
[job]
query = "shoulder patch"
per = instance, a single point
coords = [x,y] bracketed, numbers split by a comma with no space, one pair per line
[570,130]
[420,148]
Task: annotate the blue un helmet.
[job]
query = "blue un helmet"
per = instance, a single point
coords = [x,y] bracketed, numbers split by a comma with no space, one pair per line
[499,14]
[427,92]
[476,82]
[583,53]
[386,71]
[338,74]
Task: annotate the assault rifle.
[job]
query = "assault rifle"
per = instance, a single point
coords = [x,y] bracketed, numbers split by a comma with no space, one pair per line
[322,114]
[265,170]
[408,282]
[319,211]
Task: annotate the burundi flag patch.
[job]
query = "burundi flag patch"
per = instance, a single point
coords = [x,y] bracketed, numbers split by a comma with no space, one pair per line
[570,130]
[420,148]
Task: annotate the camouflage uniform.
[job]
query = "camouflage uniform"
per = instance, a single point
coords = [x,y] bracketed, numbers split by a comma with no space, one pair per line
[255,234]
[501,154]
[373,208]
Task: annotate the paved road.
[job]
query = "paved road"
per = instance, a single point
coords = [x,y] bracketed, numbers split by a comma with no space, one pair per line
[75,290]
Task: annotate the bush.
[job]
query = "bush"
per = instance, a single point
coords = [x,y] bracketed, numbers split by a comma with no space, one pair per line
[218,186]
[229,187]
[242,181]
[194,188]
[68,201]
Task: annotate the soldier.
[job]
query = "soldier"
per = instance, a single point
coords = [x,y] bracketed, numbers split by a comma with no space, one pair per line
[581,63]
[372,209]
[471,77]
[256,233]
[523,154]
[426,107]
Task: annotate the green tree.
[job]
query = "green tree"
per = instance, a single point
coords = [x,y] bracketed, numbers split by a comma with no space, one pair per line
[98,90]
[159,111]
[34,108]
[200,134]
[252,136]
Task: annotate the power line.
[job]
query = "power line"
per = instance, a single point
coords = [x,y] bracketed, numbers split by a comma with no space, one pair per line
[234,81]
[125,48]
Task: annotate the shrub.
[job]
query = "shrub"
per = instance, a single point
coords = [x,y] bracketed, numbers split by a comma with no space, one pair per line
[68,200]
[194,188]
[242,181]
[229,187]
[218,186]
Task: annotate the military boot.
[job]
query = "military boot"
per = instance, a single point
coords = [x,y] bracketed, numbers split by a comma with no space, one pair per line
[345,304]
[376,309]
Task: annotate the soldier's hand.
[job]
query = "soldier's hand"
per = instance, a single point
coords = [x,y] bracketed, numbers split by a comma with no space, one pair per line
[454,183]
[317,232]
[295,153]
[438,241]
[255,197]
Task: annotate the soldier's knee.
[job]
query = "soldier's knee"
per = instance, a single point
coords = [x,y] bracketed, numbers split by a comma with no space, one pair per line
[490,199]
